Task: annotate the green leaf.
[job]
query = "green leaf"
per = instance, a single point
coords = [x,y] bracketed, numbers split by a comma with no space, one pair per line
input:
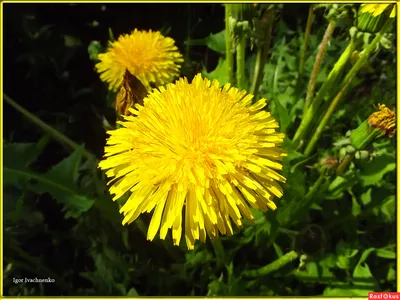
[344,292]
[72,41]
[355,208]
[366,197]
[215,42]
[388,208]
[132,293]
[22,155]
[220,73]
[374,171]
[362,276]
[339,185]
[281,113]
[217,288]
[278,250]
[94,49]
[312,269]
[383,253]
[345,253]
[59,182]
[391,276]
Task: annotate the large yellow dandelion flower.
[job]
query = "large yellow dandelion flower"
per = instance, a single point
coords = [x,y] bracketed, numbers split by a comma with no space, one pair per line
[377,9]
[200,148]
[148,55]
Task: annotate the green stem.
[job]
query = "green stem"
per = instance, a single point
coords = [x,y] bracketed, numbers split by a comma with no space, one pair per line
[364,55]
[274,266]
[57,135]
[305,41]
[219,251]
[228,43]
[344,164]
[141,225]
[326,87]
[347,80]
[317,64]
[311,145]
[288,231]
[300,208]
[240,61]
[262,52]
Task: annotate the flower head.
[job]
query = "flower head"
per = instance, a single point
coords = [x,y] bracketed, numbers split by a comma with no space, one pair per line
[384,119]
[379,124]
[200,148]
[148,55]
[377,9]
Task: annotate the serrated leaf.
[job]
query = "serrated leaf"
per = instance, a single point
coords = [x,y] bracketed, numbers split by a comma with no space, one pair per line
[339,185]
[215,42]
[21,155]
[220,73]
[374,171]
[362,276]
[59,182]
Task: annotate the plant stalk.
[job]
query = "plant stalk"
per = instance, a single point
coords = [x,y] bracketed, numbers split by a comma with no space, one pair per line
[325,88]
[311,145]
[317,64]
[57,135]
[345,84]
[228,43]
[305,41]
[219,252]
[274,266]
[241,61]
[262,52]
[344,164]
[364,55]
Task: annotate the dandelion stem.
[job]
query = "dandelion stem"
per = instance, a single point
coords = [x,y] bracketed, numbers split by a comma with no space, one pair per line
[345,84]
[228,43]
[325,88]
[364,55]
[262,52]
[344,164]
[57,135]
[311,145]
[317,64]
[240,61]
[305,41]
[219,251]
[275,265]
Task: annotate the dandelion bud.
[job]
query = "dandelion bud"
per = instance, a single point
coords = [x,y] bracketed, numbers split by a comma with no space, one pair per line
[379,124]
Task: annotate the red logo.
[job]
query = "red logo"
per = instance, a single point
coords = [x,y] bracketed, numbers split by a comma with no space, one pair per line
[383,296]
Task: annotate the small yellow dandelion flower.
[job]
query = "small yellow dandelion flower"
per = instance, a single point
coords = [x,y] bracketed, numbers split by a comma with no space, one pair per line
[148,55]
[200,148]
[377,9]
[384,119]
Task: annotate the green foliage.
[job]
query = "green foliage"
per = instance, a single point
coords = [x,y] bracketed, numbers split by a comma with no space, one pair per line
[331,235]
